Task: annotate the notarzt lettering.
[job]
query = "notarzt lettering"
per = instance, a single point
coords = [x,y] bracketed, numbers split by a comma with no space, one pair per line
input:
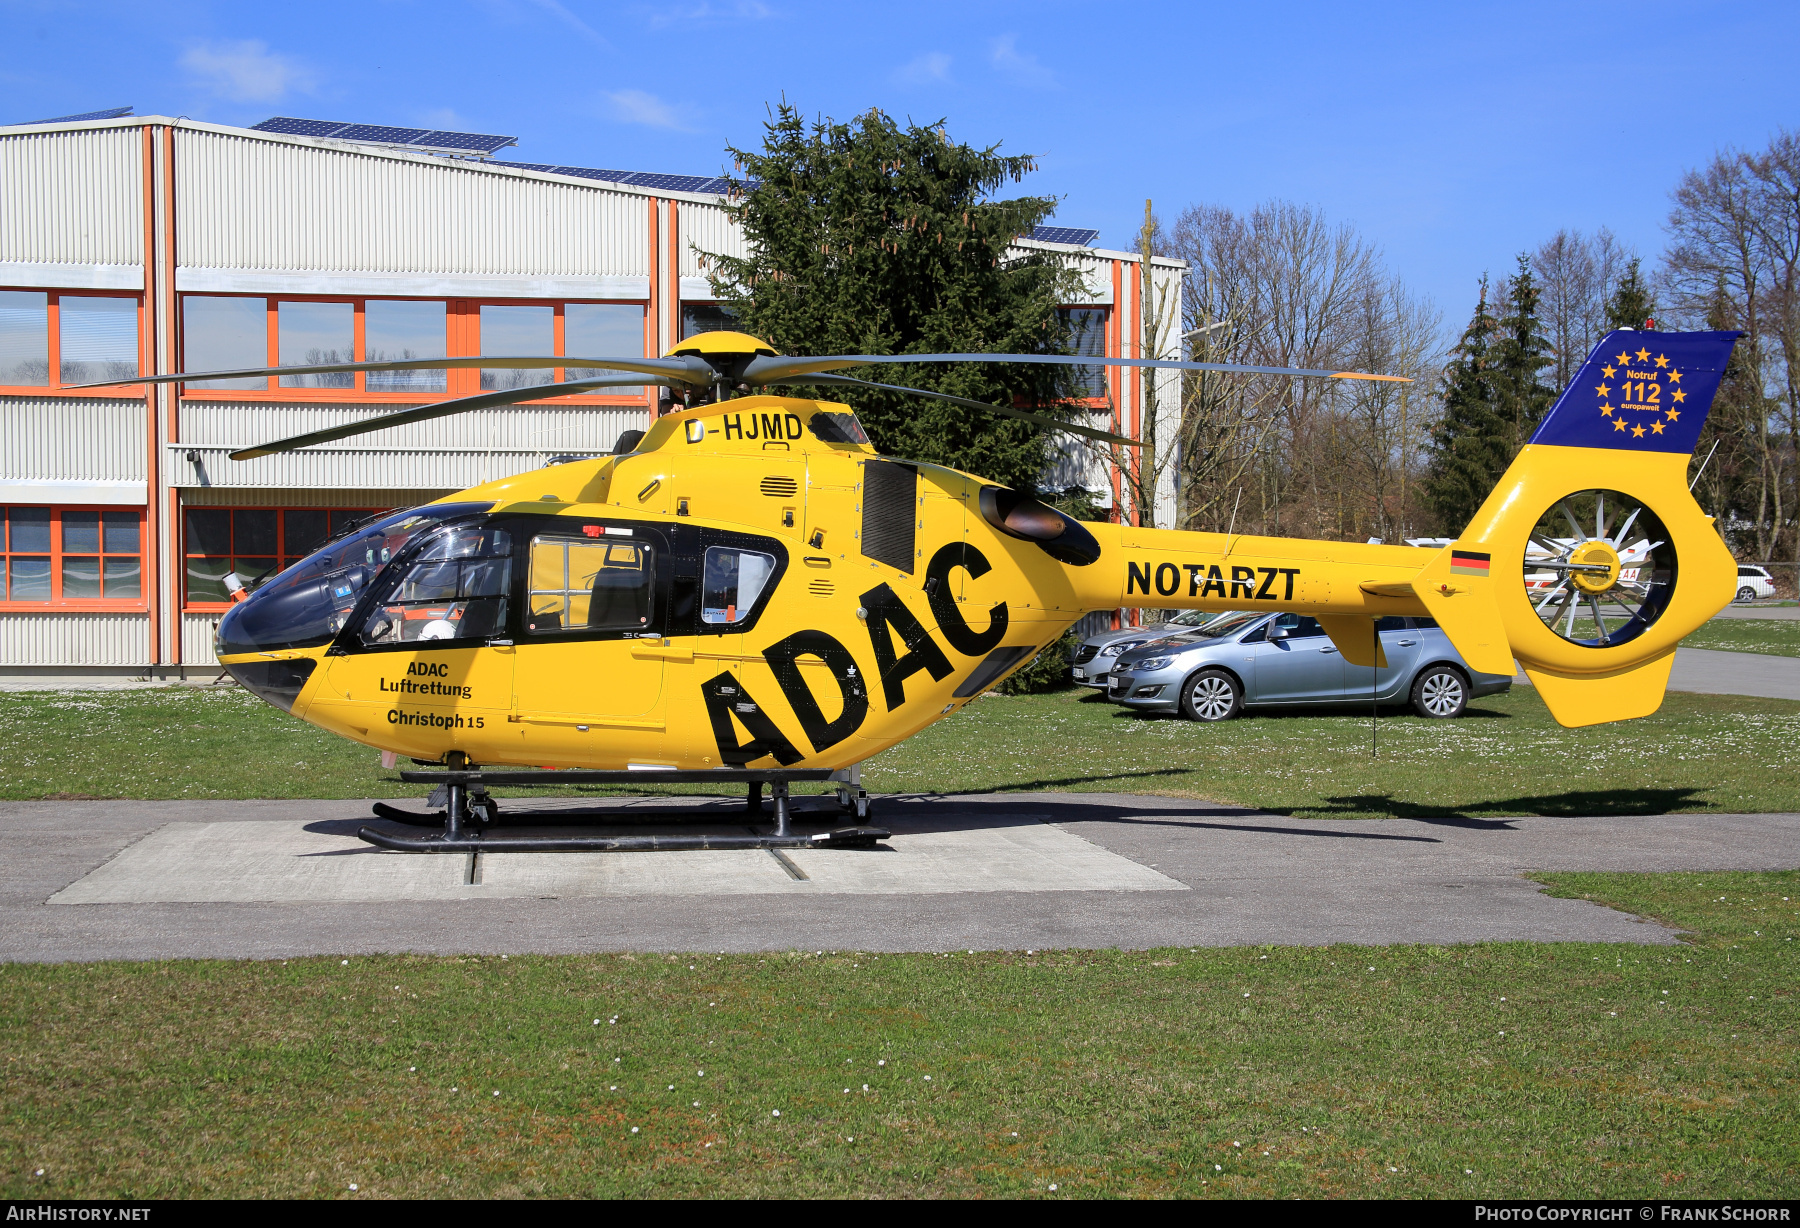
[1204,580]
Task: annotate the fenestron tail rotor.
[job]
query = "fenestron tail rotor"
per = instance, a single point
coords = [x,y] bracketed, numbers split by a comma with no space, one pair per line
[717,361]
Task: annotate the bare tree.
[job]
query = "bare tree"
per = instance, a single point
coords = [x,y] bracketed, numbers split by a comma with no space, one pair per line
[1576,273]
[1280,286]
[1718,254]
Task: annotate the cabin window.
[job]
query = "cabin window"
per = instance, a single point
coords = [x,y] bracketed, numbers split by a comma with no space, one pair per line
[733,582]
[589,585]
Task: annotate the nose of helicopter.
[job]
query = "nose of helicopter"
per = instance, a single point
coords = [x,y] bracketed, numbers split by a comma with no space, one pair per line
[276,619]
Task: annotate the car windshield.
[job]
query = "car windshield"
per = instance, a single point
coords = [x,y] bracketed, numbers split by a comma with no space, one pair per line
[1224,625]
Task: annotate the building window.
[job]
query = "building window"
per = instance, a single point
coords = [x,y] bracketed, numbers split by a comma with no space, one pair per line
[72,556]
[226,332]
[699,318]
[50,339]
[1087,335]
[253,543]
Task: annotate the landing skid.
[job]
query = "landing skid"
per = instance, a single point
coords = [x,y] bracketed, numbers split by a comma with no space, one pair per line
[843,837]
[466,823]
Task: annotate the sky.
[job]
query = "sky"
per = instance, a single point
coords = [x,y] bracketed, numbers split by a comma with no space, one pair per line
[1451,136]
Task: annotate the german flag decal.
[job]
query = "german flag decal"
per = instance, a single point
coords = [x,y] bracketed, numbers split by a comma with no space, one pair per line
[1468,563]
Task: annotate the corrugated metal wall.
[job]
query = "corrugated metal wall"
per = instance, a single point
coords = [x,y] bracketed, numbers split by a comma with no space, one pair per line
[53,639]
[71,439]
[705,228]
[249,203]
[72,197]
[445,453]
[197,639]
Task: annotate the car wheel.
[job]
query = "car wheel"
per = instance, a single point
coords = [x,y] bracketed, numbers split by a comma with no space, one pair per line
[1746,594]
[1211,695]
[1440,692]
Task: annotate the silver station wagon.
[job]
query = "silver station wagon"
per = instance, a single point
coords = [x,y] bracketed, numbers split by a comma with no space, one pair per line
[1240,660]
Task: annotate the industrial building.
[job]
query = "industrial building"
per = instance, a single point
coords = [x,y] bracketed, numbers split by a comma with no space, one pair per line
[145,244]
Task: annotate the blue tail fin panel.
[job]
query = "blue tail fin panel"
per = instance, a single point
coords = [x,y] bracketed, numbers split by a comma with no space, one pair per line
[1640,392]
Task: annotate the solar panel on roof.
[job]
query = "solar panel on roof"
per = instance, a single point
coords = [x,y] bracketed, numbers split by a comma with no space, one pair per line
[288,126]
[381,133]
[385,134]
[1065,234]
[109,113]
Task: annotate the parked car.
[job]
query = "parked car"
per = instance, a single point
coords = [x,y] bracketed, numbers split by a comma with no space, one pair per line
[1095,655]
[1214,672]
[1754,582]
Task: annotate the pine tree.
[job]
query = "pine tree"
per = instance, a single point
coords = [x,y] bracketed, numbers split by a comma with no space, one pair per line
[1519,354]
[870,238]
[1631,305]
[1469,446]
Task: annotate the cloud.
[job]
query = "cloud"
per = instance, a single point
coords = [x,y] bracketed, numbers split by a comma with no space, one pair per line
[637,107]
[932,66]
[707,13]
[246,71]
[575,23]
[1020,67]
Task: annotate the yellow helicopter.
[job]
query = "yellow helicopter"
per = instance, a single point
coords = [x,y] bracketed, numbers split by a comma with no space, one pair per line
[749,592]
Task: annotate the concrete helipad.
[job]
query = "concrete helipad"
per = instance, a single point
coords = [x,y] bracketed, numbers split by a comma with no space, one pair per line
[251,861]
[273,879]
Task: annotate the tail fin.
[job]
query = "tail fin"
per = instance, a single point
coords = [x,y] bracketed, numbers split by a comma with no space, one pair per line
[1620,590]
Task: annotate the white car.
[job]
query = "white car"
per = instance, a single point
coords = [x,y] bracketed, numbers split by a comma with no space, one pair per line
[1754,582]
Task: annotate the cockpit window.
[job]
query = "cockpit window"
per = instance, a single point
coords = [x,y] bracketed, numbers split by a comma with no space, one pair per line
[310,602]
[587,585]
[454,589]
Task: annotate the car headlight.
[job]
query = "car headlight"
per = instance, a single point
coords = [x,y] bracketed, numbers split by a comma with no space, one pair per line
[1154,663]
[1113,650]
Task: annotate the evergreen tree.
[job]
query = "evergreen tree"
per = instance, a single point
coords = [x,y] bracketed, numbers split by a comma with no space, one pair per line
[1631,305]
[1517,358]
[1469,446]
[870,238]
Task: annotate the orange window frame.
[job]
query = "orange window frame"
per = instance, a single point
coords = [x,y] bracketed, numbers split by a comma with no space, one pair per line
[462,340]
[57,554]
[283,560]
[53,323]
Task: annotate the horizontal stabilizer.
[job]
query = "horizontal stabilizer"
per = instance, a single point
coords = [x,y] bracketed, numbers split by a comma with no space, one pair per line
[1355,638]
[1590,699]
[1459,593]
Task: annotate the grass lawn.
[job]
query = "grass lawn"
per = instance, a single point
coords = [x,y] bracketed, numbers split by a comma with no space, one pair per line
[1496,1071]
[1775,637]
[1700,752]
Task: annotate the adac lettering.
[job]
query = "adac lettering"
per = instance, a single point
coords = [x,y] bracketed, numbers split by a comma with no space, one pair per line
[1211,580]
[730,705]
[761,426]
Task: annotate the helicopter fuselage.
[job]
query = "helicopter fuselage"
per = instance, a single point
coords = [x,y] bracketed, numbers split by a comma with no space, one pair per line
[753,585]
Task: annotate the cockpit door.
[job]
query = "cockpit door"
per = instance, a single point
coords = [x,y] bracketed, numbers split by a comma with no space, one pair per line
[425,651]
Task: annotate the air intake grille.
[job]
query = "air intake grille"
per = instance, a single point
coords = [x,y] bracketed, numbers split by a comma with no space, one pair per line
[821,588]
[780,487]
[888,512]
[1086,653]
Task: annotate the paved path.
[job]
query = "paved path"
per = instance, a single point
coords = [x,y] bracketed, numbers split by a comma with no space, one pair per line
[1710,672]
[1086,870]
[1759,611]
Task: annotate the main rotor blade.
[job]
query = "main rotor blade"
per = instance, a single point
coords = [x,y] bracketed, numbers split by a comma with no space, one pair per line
[443,409]
[1041,419]
[764,370]
[687,369]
